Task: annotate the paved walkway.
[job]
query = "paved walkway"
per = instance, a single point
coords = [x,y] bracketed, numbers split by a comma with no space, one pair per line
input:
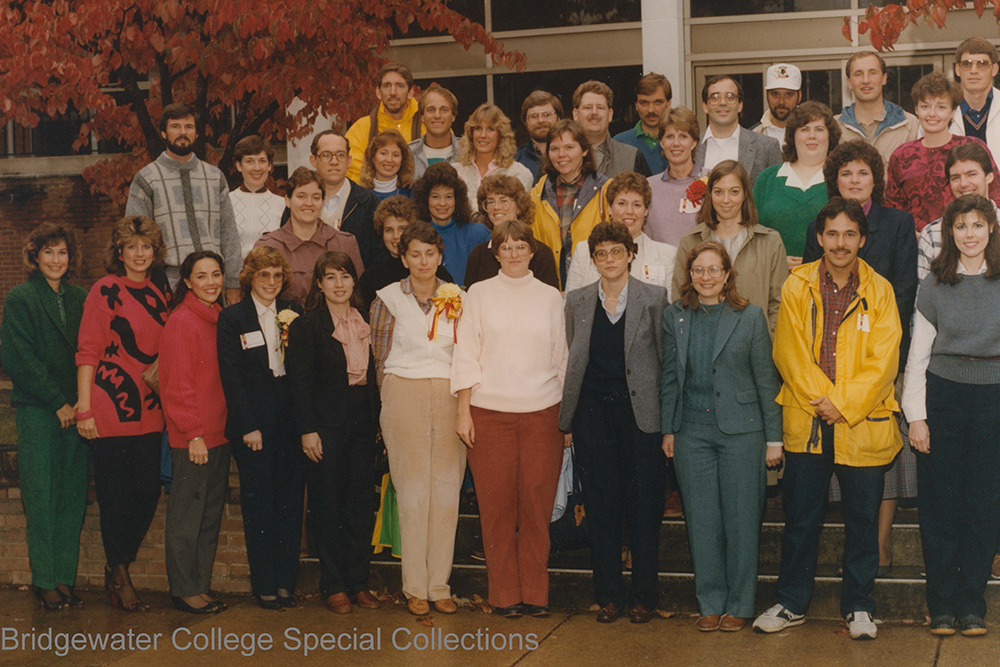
[166,638]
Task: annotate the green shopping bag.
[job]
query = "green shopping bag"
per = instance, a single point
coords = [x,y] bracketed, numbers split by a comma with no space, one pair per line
[386,533]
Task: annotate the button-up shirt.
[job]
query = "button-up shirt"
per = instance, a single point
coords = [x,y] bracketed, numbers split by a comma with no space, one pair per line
[268,318]
[835,303]
[619,305]
[717,150]
[333,208]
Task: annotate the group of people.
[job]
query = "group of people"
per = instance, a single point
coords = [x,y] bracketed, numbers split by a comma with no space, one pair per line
[729,301]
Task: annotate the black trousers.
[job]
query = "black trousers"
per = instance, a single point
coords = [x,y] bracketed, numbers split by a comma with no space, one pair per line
[959,482]
[622,472]
[341,499]
[272,484]
[127,482]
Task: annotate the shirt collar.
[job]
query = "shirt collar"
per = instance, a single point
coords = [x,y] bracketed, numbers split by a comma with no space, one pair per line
[966,108]
[345,189]
[792,179]
[244,188]
[825,274]
[261,308]
[622,298]
[735,135]
[962,271]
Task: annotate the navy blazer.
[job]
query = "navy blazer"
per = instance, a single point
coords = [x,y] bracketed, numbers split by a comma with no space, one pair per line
[743,373]
[891,249]
[255,399]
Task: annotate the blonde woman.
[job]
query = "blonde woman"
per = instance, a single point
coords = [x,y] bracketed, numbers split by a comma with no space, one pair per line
[487,147]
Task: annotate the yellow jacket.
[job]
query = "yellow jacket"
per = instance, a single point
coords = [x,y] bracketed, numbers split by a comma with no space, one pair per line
[360,134]
[867,361]
[592,209]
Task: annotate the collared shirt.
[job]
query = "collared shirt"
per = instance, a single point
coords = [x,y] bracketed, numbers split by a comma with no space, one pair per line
[835,303]
[717,150]
[268,318]
[871,129]
[619,305]
[383,323]
[566,196]
[333,208]
[792,179]
[776,132]
[975,119]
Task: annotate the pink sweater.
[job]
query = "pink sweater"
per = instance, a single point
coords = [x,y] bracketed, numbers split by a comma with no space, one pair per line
[190,383]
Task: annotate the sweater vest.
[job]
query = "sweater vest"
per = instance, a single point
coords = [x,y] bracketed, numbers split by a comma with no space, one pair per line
[411,354]
[605,374]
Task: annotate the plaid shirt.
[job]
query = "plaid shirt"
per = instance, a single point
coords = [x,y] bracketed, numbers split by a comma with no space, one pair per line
[383,323]
[928,247]
[835,303]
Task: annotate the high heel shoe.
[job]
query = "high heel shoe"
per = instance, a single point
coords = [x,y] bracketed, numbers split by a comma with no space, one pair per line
[49,605]
[69,596]
[114,591]
[181,605]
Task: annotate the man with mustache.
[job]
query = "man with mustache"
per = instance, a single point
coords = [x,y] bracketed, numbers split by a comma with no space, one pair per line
[592,109]
[876,120]
[783,85]
[396,110]
[188,199]
[539,112]
[652,99]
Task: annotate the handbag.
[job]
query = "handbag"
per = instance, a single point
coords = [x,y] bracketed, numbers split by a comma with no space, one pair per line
[569,532]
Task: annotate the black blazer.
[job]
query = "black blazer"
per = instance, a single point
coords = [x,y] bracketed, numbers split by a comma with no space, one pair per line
[359,216]
[255,399]
[317,368]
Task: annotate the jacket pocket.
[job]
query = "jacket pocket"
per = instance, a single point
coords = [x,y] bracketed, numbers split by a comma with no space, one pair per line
[749,396]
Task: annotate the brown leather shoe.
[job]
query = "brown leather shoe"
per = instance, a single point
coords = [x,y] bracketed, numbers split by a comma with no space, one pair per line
[418,606]
[708,623]
[366,600]
[731,623]
[640,613]
[339,603]
[445,606]
[609,613]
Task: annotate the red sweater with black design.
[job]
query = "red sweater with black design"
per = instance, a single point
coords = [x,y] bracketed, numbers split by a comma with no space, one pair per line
[120,337]
[190,383]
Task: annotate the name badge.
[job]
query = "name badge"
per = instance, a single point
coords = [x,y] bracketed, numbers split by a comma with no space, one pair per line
[654,273]
[863,322]
[687,206]
[252,339]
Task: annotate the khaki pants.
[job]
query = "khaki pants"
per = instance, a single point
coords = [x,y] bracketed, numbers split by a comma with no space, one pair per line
[427,464]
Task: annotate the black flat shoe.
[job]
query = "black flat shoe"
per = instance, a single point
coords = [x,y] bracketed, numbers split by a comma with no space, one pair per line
[48,604]
[286,601]
[942,626]
[513,611]
[69,597]
[536,610]
[181,605]
[971,625]
[272,605]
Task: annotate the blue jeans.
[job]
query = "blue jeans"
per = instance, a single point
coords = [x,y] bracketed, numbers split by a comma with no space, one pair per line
[806,483]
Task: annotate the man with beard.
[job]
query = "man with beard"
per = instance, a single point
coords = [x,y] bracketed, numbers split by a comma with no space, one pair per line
[784,92]
[876,120]
[652,99]
[188,199]
[539,112]
[396,110]
[437,108]
[592,109]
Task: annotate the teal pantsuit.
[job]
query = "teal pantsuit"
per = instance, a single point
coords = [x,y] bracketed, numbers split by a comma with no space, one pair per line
[37,348]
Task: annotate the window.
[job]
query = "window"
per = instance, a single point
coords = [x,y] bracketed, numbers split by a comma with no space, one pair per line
[703,8]
[470,91]
[527,14]
[474,10]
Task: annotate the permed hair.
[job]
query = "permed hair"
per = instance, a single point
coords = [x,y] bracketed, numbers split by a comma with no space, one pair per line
[404,177]
[508,186]
[49,234]
[934,85]
[491,115]
[629,181]
[128,228]
[400,207]
[849,151]
[442,173]
[801,116]
[259,258]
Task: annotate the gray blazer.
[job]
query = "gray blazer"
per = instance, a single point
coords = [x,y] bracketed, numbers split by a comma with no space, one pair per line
[643,351]
[757,153]
[743,373]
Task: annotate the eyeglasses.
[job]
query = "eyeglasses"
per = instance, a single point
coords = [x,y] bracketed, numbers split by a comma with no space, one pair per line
[268,276]
[615,253]
[699,271]
[969,65]
[543,115]
[520,249]
[716,98]
[493,202]
[328,157]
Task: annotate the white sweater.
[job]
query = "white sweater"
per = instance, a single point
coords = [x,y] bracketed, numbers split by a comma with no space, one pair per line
[256,214]
[411,354]
[511,349]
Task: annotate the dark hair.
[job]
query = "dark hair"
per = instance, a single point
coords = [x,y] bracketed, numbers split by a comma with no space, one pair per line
[858,55]
[396,206]
[438,90]
[314,146]
[801,116]
[303,176]
[933,85]
[509,186]
[253,144]
[442,173]
[849,151]
[712,80]
[650,83]
[611,232]
[748,212]
[970,151]
[945,265]
[187,266]
[259,258]
[420,231]
[629,181]
[176,111]
[45,235]
[515,230]
[128,228]
[576,132]
[977,45]
[404,177]
[849,207]
[540,98]
[340,261]
[398,68]
[689,295]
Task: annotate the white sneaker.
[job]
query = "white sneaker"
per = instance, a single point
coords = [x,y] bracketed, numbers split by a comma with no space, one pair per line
[861,625]
[776,619]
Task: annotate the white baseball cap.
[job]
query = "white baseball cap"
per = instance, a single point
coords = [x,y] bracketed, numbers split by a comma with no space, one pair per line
[783,76]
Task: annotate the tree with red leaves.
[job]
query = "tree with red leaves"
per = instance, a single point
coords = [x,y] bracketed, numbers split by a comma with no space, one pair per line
[884,24]
[241,64]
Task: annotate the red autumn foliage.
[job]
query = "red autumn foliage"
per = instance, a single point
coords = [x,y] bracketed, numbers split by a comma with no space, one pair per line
[885,24]
[240,64]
